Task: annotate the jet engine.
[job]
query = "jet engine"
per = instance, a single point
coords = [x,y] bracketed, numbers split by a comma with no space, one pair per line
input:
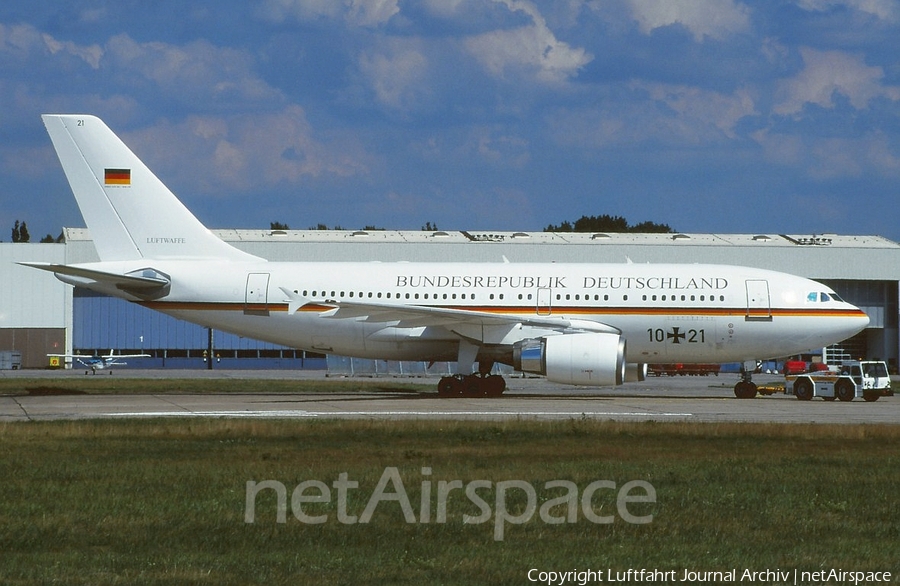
[589,359]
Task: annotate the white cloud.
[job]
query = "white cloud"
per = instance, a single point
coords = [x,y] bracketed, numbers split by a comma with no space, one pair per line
[826,159]
[368,13]
[90,54]
[827,73]
[701,108]
[244,152]
[658,114]
[396,74]
[371,12]
[22,41]
[196,70]
[887,10]
[532,48]
[715,19]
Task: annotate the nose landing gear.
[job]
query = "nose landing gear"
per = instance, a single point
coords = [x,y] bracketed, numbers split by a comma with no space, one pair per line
[746,388]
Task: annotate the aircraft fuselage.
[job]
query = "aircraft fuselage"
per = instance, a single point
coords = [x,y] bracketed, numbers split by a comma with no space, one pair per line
[666,313]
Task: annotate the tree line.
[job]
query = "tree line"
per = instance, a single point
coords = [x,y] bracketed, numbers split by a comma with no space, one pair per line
[607,223]
[602,223]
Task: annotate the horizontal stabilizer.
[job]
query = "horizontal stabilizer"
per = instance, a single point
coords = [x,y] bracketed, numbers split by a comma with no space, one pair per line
[124,282]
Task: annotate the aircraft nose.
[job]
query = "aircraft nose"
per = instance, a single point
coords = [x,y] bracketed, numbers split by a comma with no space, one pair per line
[858,320]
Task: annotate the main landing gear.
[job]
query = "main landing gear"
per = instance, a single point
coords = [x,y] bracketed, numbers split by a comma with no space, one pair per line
[473,385]
[482,384]
[746,388]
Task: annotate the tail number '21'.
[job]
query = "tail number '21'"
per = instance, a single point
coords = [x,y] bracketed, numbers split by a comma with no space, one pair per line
[676,335]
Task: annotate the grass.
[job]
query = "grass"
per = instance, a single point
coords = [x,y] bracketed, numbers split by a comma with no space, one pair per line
[163,502]
[99,385]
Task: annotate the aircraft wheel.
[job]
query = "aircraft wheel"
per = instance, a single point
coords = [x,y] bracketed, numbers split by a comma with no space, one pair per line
[804,390]
[472,386]
[844,390]
[745,390]
[494,385]
[449,386]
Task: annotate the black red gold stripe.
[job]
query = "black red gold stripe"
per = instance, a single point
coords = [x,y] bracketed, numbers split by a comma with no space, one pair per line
[522,311]
[117,176]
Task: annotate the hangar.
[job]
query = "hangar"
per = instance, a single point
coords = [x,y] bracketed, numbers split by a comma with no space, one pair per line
[40,315]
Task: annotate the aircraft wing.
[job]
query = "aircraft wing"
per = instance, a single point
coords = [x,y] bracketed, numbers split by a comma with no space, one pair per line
[414,316]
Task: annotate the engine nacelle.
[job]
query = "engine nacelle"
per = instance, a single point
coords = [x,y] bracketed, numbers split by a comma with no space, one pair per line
[587,359]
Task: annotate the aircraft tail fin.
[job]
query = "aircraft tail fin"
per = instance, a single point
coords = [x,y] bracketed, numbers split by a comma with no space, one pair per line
[131,214]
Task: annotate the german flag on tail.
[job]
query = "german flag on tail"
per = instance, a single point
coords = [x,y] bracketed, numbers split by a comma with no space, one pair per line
[117,177]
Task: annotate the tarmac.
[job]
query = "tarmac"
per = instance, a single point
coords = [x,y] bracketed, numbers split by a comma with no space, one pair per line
[682,398]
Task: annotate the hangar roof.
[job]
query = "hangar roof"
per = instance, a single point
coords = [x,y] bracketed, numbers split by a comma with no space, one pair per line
[822,256]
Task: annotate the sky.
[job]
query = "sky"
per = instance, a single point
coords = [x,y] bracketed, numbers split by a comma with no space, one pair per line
[715,116]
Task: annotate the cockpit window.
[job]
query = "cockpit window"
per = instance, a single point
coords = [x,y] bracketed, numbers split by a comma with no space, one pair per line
[821,296]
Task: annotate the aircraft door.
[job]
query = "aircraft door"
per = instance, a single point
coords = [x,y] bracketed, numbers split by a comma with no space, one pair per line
[759,307]
[256,296]
[544,300]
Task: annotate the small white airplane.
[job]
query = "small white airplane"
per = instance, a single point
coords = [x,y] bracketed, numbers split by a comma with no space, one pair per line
[97,362]
[577,324]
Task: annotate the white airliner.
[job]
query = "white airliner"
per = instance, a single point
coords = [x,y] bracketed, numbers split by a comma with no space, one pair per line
[577,324]
[97,362]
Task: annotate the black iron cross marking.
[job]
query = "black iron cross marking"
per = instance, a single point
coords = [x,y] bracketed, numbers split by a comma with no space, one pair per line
[676,336]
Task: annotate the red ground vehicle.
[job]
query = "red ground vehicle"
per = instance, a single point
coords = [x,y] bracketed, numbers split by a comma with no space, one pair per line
[684,369]
[792,367]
